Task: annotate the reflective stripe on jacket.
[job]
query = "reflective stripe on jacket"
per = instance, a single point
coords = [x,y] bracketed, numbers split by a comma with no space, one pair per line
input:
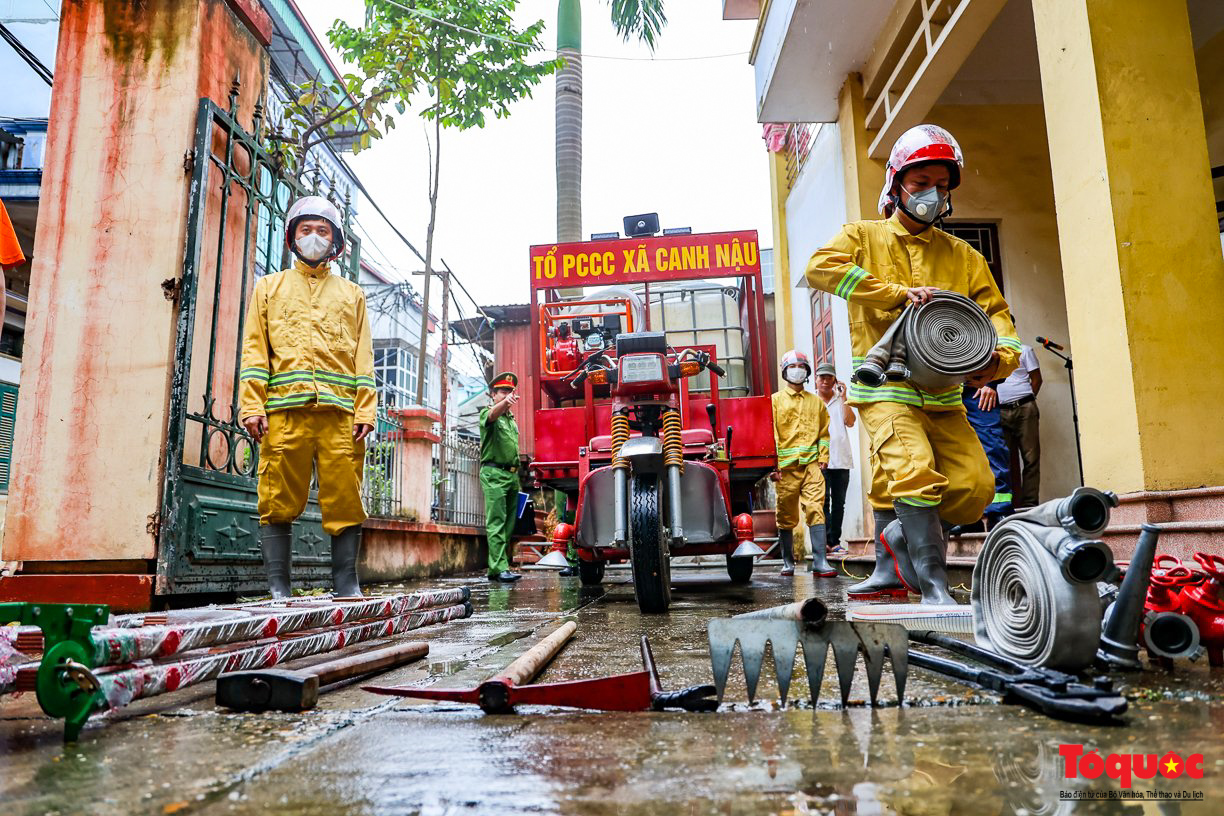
[872,263]
[307,340]
[801,428]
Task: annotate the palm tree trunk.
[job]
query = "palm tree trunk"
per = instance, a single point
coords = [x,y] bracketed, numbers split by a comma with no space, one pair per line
[569,122]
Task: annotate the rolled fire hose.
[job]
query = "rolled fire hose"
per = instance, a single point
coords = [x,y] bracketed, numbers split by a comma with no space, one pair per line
[935,346]
[1035,596]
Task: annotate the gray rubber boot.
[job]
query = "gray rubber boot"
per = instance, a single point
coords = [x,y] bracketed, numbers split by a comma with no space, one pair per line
[276,544]
[884,576]
[786,544]
[927,547]
[344,562]
[820,558]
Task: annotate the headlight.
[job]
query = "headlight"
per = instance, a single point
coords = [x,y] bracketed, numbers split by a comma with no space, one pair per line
[639,368]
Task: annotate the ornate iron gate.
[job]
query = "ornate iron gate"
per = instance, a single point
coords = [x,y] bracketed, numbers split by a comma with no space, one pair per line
[208,528]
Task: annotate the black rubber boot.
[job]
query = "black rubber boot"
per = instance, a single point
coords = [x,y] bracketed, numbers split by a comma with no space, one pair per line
[927,547]
[893,539]
[820,558]
[884,577]
[276,544]
[344,562]
[786,543]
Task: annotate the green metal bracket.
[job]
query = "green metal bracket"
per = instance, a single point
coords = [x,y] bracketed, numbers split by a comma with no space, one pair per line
[66,686]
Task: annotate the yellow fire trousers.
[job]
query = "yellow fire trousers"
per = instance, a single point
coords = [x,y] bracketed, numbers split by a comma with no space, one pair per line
[800,487]
[927,459]
[297,439]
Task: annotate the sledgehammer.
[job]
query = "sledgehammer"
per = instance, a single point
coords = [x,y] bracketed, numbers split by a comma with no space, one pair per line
[283,690]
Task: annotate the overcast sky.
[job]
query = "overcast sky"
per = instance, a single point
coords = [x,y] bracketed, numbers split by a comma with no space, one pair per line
[678,138]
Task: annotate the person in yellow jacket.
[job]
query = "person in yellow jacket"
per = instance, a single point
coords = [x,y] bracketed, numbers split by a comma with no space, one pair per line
[801,433]
[307,395]
[929,469]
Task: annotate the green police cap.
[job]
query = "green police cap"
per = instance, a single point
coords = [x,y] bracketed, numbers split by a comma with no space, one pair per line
[506,379]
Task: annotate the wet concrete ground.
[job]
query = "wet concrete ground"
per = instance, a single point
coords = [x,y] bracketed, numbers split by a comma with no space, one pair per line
[949,750]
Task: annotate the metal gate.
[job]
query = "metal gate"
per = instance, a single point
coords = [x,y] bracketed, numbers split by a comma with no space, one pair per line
[208,527]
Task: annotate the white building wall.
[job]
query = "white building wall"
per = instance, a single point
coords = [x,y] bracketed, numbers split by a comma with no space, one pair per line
[815,211]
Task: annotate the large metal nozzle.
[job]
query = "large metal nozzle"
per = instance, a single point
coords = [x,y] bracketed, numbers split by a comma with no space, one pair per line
[1172,635]
[812,612]
[1119,647]
[1083,514]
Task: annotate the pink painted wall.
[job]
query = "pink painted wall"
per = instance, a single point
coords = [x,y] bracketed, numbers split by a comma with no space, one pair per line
[99,344]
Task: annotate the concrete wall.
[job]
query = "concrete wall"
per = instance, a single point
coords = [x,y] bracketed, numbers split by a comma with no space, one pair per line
[91,421]
[1007,181]
[397,550]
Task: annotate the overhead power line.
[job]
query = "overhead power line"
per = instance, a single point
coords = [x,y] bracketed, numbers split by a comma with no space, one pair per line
[36,65]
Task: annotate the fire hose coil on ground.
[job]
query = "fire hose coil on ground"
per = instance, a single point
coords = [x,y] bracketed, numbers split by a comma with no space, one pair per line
[935,345]
[1024,607]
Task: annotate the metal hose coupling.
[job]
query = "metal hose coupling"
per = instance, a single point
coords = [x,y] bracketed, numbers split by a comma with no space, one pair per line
[1035,593]
[935,346]
[1073,524]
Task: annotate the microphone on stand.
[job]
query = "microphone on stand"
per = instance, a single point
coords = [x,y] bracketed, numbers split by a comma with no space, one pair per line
[1050,344]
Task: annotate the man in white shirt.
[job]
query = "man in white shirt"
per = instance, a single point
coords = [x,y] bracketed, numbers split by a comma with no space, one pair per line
[837,475]
[1021,420]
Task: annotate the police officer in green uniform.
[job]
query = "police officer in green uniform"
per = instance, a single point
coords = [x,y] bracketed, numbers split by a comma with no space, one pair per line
[499,460]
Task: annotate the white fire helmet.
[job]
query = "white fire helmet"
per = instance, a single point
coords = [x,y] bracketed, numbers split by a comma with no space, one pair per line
[314,206]
[919,145]
[794,357]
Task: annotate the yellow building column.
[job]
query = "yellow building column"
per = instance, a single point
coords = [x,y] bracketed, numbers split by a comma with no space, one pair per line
[863,174]
[1139,239]
[779,189]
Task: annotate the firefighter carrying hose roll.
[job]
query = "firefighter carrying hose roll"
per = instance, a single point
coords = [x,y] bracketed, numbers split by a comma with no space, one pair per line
[801,432]
[307,395]
[928,468]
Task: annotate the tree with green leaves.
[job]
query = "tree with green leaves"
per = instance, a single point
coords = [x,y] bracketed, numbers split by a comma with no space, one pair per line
[454,62]
[639,19]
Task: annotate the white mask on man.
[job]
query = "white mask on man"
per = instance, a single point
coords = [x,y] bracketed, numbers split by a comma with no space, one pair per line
[313,246]
[795,374]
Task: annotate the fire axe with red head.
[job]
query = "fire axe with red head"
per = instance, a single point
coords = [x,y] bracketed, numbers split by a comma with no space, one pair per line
[635,691]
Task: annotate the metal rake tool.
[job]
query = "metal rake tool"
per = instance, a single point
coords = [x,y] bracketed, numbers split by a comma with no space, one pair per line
[874,640]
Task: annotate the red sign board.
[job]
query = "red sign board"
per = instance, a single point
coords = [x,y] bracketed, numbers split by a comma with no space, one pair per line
[630,260]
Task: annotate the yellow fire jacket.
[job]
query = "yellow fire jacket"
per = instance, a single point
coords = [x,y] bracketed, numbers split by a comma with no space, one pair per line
[801,428]
[872,263]
[307,340]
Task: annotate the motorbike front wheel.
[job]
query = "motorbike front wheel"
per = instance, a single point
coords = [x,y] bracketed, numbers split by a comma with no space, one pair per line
[648,545]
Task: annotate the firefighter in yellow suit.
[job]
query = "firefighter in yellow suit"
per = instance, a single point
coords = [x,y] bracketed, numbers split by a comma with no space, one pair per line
[929,469]
[308,395]
[801,433]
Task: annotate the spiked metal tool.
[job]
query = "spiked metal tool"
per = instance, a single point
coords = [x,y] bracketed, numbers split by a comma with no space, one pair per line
[785,634]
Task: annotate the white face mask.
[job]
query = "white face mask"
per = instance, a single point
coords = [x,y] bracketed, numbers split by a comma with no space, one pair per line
[313,246]
[795,374]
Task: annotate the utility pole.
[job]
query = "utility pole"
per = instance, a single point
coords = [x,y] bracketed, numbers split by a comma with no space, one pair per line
[444,352]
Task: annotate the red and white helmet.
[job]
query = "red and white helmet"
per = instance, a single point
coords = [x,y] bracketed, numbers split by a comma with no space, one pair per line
[314,206]
[919,145]
[795,357]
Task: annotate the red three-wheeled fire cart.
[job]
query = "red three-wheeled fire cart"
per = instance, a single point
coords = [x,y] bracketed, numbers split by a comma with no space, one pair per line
[652,412]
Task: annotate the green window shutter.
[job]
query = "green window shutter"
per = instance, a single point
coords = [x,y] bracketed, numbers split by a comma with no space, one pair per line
[8,418]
